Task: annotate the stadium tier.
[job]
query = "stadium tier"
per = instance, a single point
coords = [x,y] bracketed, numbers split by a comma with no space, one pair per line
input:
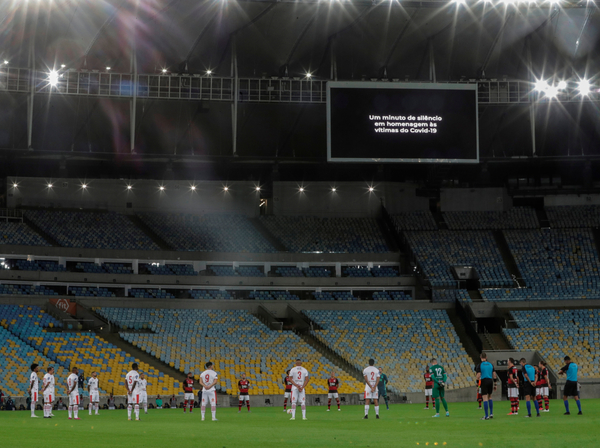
[86,351]
[19,233]
[384,271]
[234,340]
[330,235]
[400,341]
[580,216]
[207,233]
[356,271]
[38,265]
[210,294]
[273,295]
[91,230]
[450,295]
[317,272]
[565,258]
[515,218]
[417,220]
[223,271]
[27,290]
[289,271]
[150,293]
[86,291]
[559,333]
[166,269]
[539,293]
[438,251]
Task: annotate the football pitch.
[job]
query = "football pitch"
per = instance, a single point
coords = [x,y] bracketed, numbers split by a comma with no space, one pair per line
[403,425]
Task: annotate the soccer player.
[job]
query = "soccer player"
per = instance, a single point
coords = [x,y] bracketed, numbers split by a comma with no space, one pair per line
[243,385]
[33,387]
[132,380]
[571,385]
[513,387]
[300,378]
[288,389]
[333,384]
[488,378]
[73,392]
[382,387]
[143,384]
[543,387]
[439,383]
[188,392]
[530,379]
[371,375]
[428,388]
[48,392]
[208,379]
[94,393]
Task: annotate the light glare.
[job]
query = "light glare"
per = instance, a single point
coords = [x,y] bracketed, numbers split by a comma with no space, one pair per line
[15,185]
[334,189]
[209,72]
[53,78]
[552,92]
[541,85]
[371,189]
[161,188]
[84,186]
[584,87]
[257,188]
[49,185]
[193,188]
[301,189]
[129,187]
[225,188]
[562,85]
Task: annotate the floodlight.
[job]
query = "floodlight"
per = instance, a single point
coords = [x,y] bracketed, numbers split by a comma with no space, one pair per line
[15,185]
[371,189]
[62,65]
[541,85]
[459,2]
[225,188]
[309,75]
[301,189]
[333,189]
[584,87]
[193,188]
[562,85]
[129,187]
[84,186]
[53,78]
[107,68]
[49,185]
[161,188]
[5,62]
[164,70]
[209,72]
[257,188]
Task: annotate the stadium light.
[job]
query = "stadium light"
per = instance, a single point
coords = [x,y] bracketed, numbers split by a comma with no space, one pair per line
[209,72]
[53,78]
[562,85]
[164,70]
[333,189]
[301,189]
[84,186]
[541,85]
[309,75]
[193,188]
[62,65]
[107,69]
[161,188]
[129,187]
[257,188]
[459,2]
[49,185]
[552,92]
[584,87]
[371,189]
[15,185]
[5,62]
[225,188]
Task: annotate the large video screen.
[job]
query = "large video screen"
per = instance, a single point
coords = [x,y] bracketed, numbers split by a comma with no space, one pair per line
[402,122]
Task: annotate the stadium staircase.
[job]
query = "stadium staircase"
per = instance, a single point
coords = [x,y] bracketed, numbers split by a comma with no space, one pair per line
[507,257]
[466,335]
[40,231]
[475,295]
[150,233]
[542,217]
[260,228]
[596,233]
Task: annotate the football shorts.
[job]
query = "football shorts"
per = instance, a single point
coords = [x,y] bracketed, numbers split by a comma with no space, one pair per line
[188,396]
[543,391]
[245,397]
[332,395]
[133,398]
[513,392]
[428,392]
[209,397]
[371,394]
[94,397]
[74,399]
[298,396]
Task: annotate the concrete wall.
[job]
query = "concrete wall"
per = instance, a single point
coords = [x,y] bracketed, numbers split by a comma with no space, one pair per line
[402,197]
[474,199]
[571,199]
[145,195]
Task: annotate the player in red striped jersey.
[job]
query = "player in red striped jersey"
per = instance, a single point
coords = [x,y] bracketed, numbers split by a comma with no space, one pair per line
[188,390]
[288,389]
[543,386]
[428,388]
[333,384]
[513,387]
[244,385]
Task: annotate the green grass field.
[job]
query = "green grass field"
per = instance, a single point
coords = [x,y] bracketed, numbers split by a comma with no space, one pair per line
[403,425]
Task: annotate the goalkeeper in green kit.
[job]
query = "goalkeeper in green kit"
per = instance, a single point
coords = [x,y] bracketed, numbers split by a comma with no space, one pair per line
[438,375]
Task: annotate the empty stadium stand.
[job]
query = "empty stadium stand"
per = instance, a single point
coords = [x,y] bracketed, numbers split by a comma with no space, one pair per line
[515,218]
[19,233]
[581,216]
[38,265]
[234,340]
[438,251]
[330,235]
[208,233]
[91,230]
[559,333]
[29,290]
[417,220]
[450,295]
[401,341]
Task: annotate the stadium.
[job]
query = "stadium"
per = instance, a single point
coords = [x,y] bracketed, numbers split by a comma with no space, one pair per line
[305,222]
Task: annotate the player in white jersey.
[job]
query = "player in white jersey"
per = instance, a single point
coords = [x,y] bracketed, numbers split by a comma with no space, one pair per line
[94,393]
[132,380]
[33,387]
[143,383]
[48,391]
[73,391]
[371,374]
[299,377]
[208,379]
